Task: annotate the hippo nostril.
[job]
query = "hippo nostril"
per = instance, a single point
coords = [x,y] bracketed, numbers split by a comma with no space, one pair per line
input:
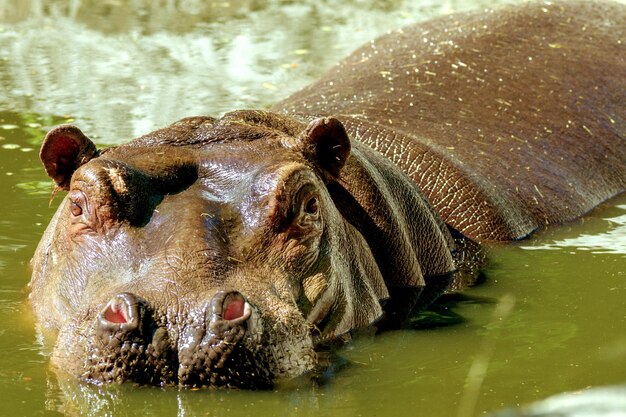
[231,306]
[121,311]
[114,314]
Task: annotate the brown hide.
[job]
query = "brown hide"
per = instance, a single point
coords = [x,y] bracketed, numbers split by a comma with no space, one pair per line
[506,121]
[369,192]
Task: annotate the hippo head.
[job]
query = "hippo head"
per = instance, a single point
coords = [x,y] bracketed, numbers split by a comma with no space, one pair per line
[208,253]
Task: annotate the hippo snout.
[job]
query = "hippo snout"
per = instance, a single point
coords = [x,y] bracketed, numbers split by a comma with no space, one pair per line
[126,312]
[137,341]
[210,353]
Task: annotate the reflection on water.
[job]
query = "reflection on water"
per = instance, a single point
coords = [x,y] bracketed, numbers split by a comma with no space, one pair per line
[120,69]
[595,402]
[612,241]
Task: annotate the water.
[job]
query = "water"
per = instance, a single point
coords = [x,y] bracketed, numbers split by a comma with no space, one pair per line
[550,316]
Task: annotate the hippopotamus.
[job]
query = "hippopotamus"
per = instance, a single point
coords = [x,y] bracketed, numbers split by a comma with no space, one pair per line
[239,251]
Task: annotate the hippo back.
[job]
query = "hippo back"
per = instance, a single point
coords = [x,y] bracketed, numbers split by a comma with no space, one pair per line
[506,124]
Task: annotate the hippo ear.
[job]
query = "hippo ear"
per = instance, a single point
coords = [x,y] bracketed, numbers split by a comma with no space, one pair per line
[65,148]
[325,143]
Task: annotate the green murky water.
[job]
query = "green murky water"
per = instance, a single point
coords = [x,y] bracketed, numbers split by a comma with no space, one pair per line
[550,316]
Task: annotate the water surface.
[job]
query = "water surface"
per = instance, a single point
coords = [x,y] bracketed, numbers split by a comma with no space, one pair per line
[550,316]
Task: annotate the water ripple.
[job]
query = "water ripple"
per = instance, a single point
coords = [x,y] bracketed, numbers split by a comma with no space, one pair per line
[611,241]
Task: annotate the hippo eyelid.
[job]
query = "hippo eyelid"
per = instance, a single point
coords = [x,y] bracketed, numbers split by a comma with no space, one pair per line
[79,205]
[308,200]
[75,209]
[312,205]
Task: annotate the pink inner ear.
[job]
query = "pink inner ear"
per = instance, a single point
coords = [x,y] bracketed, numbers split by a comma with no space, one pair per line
[234,309]
[59,156]
[62,149]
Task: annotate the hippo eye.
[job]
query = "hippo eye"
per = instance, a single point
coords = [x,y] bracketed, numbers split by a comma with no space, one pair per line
[312,206]
[76,209]
[77,203]
[307,205]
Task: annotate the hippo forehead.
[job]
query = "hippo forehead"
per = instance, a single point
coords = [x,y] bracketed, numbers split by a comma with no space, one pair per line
[256,168]
[226,154]
[243,176]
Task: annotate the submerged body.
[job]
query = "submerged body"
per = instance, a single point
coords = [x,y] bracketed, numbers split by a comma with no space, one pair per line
[233,252]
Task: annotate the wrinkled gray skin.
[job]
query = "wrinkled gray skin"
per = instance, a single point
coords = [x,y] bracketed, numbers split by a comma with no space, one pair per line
[233,252]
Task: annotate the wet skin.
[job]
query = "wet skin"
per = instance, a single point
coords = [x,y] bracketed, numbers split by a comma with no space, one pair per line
[234,252]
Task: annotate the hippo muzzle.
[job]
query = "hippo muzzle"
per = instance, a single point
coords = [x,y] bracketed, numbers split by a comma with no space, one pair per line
[128,341]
